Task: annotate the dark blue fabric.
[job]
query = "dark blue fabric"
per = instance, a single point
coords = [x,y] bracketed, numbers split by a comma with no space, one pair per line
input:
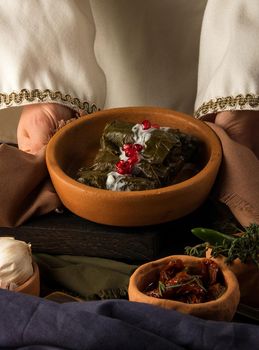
[30,323]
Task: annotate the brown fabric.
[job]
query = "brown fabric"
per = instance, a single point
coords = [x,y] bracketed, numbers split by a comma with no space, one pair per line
[25,189]
[238,180]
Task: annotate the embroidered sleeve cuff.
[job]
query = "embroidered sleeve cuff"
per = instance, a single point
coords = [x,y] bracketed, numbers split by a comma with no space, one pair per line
[26,96]
[238,102]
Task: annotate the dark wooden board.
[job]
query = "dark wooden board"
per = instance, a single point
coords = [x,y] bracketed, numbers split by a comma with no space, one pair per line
[69,234]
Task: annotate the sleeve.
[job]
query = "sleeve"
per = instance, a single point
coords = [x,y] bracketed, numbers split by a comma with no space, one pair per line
[228,75]
[47,55]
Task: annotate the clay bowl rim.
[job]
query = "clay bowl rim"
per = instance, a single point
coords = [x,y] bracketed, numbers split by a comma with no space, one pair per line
[31,280]
[156,264]
[212,164]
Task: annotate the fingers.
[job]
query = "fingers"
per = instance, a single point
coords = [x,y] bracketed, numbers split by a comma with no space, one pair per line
[32,146]
[57,112]
[242,127]
[33,132]
[38,123]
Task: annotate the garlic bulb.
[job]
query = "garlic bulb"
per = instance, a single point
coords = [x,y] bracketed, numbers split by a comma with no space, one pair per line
[15,262]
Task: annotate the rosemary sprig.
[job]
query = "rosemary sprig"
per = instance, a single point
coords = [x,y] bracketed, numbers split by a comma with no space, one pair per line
[198,250]
[195,278]
[161,288]
[245,246]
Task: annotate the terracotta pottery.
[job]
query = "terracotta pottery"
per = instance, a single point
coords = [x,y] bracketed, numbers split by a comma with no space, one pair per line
[32,285]
[76,145]
[221,309]
[248,279]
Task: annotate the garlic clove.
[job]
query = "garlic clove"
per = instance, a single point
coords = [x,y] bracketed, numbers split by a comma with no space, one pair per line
[15,262]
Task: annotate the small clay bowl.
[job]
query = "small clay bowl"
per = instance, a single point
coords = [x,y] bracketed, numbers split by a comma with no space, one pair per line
[247,275]
[76,145]
[32,285]
[221,309]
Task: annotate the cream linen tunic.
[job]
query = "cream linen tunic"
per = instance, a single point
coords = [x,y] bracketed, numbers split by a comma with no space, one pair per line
[229,57]
[97,54]
[90,54]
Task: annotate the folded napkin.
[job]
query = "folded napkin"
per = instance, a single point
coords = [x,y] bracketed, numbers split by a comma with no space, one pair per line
[237,183]
[26,190]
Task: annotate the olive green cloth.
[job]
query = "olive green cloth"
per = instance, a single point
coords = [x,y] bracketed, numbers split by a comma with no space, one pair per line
[87,277]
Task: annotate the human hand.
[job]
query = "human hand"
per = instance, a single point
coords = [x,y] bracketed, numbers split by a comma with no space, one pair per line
[242,127]
[38,123]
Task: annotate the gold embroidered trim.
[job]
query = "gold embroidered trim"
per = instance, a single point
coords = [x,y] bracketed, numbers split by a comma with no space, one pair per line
[238,102]
[45,95]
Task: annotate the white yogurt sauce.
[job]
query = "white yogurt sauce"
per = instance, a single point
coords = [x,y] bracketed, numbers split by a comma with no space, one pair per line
[115,181]
[123,155]
[140,135]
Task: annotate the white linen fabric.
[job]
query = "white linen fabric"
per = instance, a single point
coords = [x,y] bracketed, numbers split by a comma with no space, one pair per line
[90,54]
[229,56]
[47,54]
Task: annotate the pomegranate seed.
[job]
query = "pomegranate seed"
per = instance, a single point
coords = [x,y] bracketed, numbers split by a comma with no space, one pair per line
[156,126]
[146,124]
[138,147]
[123,167]
[130,152]
[127,146]
[133,160]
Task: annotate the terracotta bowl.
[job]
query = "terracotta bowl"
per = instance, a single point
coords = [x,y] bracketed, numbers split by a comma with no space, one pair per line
[221,309]
[76,145]
[32,285]
[247,275]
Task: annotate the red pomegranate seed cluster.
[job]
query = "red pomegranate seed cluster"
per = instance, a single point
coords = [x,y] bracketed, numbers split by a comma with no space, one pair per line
[123,167]
[132,151]
[147,125]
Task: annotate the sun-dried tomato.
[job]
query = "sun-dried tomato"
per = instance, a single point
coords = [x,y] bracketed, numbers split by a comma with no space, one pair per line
[189,284]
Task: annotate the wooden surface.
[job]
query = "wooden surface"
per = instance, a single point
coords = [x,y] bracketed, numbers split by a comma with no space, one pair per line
[69,234]
[66,233]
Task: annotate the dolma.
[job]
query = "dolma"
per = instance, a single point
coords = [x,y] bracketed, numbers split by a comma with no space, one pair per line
[93,178]
[105,160]
[131,183]
[160,145]
[161,157]
[116,134]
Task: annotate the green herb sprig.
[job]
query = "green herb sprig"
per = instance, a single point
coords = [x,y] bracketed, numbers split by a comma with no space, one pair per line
[244,246]
[162,288]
